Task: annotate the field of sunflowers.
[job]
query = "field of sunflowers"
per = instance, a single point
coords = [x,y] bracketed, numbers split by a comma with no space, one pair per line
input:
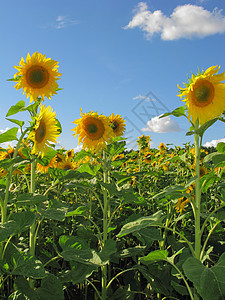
[107,222]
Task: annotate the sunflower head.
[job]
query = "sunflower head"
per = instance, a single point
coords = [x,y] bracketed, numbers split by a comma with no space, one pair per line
[94,131]
[45,131]
[180,205]
[37,76]
[204,95]
[118,124]
[162,147]
[148,157]
[143,143]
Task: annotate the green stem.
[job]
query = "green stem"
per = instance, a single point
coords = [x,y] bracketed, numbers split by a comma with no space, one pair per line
[209,216]
[9,178]
[105,223]
[197,206]
[33,234]
[185,281]
[206,241]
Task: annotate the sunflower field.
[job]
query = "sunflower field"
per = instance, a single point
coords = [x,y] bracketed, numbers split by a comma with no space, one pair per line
[107,222]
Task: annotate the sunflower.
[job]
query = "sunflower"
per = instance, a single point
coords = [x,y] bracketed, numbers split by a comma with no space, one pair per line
[180,205]
[44,169]
[45,131]
[162,147]
[148,157]
[118,124]
[37,76]
[143,143]
[204,95]
[94,131]
[67,164]
[70,154]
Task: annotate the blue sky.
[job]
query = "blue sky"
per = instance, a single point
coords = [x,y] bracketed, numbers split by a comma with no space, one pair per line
[116,56]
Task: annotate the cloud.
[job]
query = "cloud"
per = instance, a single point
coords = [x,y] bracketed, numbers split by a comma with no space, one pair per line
[64,21]
[162,125]
[143,98]
[78,148]
[186,21]
[213,143]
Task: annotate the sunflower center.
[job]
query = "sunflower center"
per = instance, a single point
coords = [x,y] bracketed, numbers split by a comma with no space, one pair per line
[115,125]
[37,76]
[203,93]
[94,128]
[40,132]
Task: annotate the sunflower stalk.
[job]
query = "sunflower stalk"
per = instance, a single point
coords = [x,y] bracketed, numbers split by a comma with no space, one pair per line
[197,206]
[106,206]
[9,178]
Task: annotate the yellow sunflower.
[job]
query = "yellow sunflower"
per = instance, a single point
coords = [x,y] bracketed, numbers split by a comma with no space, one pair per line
[45,131]
[180,205]
[162,147]
[148,157]
[44,169]
[117,124]
[67,164]
[94,131]
[143,143]
[37,76]
[204,95]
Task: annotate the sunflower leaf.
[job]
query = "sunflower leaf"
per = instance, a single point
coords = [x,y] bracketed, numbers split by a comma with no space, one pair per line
[9,135]
[20,123]
[178,112]
[205,126]
[15,108]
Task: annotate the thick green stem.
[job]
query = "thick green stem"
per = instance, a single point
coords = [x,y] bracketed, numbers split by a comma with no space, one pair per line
[33,235]
[33,226]
[197,204]
[105,223]
[197,196]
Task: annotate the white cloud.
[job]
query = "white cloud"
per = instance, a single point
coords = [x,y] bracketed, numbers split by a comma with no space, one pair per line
[143,98]
[64,21]
[213,143]
[78,148]
[162,125]
[186,21]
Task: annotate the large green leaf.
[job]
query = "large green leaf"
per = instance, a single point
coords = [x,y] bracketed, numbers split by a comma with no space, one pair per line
[178,112]
[76,249]
[51,288]
[205,126]
[215,157]
[26,265]
[209,282]
[57,211]
[87,168]
[108,250]
[29,199]
[15,108]
[17,122]
[6,163]
[79,273]
[22,285]
[148,235]
[9,135]
[154,256]
[17,223]
[143,222]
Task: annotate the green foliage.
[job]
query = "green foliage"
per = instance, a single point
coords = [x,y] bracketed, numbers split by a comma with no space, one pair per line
[209,282]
